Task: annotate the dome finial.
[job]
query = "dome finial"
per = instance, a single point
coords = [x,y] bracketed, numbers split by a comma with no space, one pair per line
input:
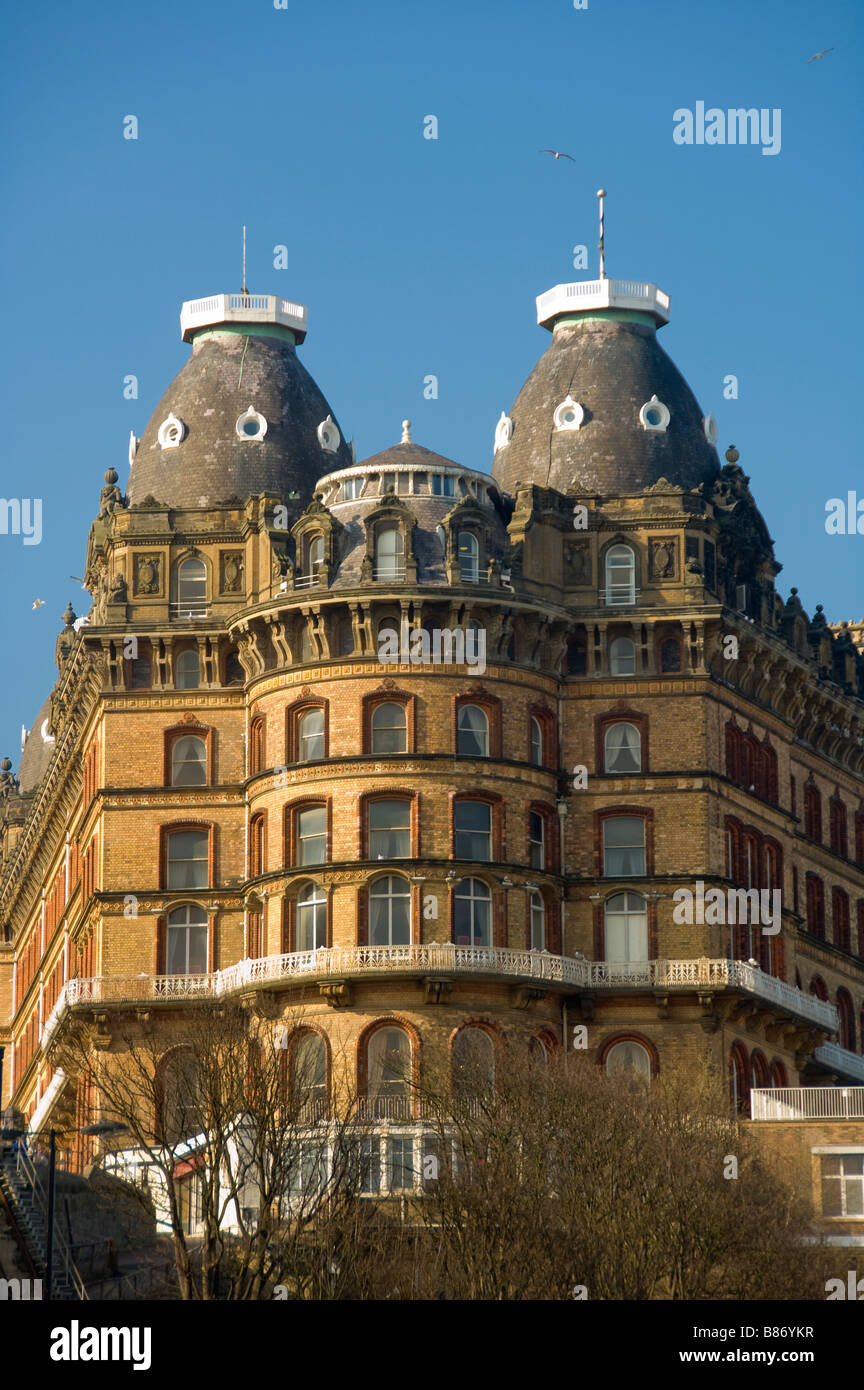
[406,432]
[601,194]
[243,288]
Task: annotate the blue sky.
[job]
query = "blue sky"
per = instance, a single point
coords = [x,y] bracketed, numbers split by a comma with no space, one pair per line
[418,256]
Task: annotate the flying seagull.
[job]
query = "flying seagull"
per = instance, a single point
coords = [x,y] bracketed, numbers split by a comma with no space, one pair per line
[38,603]
[80,580]
[820,55]
[558,154]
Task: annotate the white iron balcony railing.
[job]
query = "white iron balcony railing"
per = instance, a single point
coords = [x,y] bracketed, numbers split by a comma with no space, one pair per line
[385,1108]
[540,967]
[619,598]
[394,572]
[807,1103]
[306,581]
[241,308]
[580,296]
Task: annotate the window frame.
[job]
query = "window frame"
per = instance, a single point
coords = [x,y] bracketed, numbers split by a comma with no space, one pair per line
[291,831]
[494,802]
[172,736]
[293,716]
[621,715]
[389,697]
[491,706]
[621,812]
[180,827]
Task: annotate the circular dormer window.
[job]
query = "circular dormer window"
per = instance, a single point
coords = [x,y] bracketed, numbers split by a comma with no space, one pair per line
[503,432]
[251,425]
[569,415]
[171,432]
[328,435]
[654,415]
[709,425]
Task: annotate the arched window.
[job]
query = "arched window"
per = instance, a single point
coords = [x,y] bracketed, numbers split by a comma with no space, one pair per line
[187,941]
[819,989]
[537,914]
[309,1075]
[310,736]
[389,553]
[778,1076]
[187,672]
[812,812]
[815,906]
[311,918]
[733,752]
[192,588]
[629,1061]
[622,748]
[840,918]
[388,1084]
[390,912]
[670,656]
[468,554]
[473,1059]
[838,827]
[256,845]
[179,1102]
[758,1071]
[389,727]
[389,829]
[188,762]
[537,1050]
[536,741]
[623,846]
[620,575]
[472,732]
[257,741]
[314,553]
[472,831]
[472,913]
[846,1010]
[188,859]
[622,657]
[626,928]
[739,1079]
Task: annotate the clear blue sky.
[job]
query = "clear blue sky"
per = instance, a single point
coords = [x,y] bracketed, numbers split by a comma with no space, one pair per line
[419,256]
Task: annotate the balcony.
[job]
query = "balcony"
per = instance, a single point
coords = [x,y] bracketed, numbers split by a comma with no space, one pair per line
[188,608]
[586,296]
[389,574]
[807,1103]
[836,1058]
[242,308]
[536,968]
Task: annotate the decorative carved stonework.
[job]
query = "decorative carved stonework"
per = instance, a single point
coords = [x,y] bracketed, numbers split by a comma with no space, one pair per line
[148,574]
[231,571]
[437,991]
[664,558]
[338,993]
[579,557]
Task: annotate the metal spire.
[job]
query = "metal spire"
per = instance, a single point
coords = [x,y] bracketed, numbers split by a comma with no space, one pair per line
[601,194]
[244,289]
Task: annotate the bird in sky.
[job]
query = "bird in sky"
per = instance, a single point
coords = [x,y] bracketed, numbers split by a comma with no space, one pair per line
[559,154]
[820,55]
[80,580]
[38,603]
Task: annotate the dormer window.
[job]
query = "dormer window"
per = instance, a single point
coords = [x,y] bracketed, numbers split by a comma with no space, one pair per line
[351,489]
[250,425]
[171,432]
[654,415]
[389,553]
[328,435]
[469,557]
[620,575]
[314,553]
[569,415]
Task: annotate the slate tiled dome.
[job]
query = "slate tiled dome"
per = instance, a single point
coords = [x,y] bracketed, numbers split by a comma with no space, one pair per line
[227,373]
[611,367]
[37,752]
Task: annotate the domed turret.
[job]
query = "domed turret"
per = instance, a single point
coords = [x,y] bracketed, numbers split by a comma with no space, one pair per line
[243,416]
[605,411]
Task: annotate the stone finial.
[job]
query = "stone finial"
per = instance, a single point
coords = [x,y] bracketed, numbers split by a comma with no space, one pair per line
[406,432]
[111,475]
[732,454]
[69,616]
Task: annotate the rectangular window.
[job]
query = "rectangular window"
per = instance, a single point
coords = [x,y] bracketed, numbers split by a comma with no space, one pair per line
[370,1165]
[843,1184]
[430,1158]
[400,1162]
[710,566]
[537,837]
[624,847]
[442,485]
[312,835]
[351,488]
[389,829]
[187,950]
[187,859]
[473,831]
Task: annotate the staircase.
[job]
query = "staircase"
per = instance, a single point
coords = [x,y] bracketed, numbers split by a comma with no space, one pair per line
[24,1187]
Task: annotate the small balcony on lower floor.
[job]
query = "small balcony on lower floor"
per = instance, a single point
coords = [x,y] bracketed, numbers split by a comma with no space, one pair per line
[807,1103]
[831,1057]
[442,964]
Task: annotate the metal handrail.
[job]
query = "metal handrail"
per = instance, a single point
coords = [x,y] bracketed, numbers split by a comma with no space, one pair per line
[27,1171]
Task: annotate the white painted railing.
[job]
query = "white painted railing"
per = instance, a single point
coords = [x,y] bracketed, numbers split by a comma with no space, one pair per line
[241,308]
[807,1103]
[446,958]
[582,295]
